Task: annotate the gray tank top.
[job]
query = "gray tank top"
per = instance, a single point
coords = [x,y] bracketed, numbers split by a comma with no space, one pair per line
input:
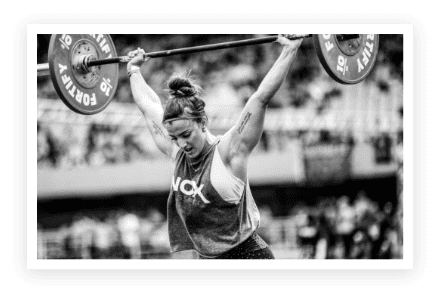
[208,209]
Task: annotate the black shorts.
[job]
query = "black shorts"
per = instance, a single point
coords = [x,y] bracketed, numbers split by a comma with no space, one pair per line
[252,248]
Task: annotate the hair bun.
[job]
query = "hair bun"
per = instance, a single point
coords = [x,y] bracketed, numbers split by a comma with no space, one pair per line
[181,86]
[199,104]
[183,92]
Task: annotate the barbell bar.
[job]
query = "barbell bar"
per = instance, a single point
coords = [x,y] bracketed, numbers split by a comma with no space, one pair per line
[241,43]
[218,46]
[84,68]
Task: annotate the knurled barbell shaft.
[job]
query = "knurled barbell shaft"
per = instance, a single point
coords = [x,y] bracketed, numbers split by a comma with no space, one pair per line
[248,42]
[43,69]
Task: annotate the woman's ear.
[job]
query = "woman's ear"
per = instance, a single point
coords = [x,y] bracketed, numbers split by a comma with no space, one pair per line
[204,124]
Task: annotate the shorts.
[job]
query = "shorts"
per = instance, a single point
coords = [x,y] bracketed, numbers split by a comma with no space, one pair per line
[252,248]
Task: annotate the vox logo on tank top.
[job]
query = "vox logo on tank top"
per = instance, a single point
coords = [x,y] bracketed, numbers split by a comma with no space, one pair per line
[188,187]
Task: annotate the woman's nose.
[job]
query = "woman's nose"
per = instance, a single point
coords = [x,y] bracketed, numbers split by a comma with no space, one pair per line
[181,143]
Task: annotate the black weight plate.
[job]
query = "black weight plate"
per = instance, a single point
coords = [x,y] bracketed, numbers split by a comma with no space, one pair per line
[83,92]
[347,62]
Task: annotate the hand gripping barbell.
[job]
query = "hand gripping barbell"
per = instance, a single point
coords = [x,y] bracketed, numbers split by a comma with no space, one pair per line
[84,67]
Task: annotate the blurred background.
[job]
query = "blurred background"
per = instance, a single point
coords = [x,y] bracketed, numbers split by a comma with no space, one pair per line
[326,175]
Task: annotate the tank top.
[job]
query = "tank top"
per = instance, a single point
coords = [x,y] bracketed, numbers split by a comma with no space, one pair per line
[208,209]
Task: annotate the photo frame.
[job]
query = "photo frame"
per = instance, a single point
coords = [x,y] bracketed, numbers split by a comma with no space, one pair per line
[249,276]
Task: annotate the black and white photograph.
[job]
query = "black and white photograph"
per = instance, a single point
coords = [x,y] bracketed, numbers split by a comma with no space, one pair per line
[171,148]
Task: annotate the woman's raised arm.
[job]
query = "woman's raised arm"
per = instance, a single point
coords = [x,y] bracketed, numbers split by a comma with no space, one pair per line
[241,139]
[149,104]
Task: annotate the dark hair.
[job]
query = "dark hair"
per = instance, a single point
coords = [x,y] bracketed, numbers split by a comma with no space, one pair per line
[183,100]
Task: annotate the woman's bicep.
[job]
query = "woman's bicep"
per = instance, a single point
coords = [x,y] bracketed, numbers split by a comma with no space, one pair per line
[153,118]
[247,131]
[249,127]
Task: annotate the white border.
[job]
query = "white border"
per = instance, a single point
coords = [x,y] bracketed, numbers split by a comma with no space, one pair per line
[408,205]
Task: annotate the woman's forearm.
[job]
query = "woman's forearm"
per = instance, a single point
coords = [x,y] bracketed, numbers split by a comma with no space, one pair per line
[275,77]
[142,93]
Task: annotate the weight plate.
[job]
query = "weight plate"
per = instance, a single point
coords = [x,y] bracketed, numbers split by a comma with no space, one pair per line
[85,91]
[347,61]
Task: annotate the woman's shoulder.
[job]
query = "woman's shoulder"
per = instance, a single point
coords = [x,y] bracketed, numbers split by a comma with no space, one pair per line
[214,139]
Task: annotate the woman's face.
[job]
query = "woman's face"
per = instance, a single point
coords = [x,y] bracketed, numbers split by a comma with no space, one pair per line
[187,135]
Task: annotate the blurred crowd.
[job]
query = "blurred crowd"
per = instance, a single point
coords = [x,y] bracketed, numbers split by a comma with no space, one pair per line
[66,146]
[335,228]
[339,228]
[116,235]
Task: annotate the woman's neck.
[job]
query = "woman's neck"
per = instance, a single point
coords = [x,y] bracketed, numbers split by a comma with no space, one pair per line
[210,139]
[194,161]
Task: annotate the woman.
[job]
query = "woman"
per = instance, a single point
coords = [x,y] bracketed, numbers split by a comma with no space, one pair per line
[210,207]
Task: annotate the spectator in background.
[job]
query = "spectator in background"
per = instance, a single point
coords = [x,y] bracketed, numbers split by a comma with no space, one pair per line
[308,236]
[345,223]
[132,151]
[379,232]
[158,234]
[329,245]
[102,238]
[362,206]
[48,150]
[361,247]
[323,238]
[73,152]
[79,241]
[129,226]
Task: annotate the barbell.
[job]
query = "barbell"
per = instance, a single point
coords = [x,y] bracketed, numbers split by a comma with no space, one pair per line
[84,67]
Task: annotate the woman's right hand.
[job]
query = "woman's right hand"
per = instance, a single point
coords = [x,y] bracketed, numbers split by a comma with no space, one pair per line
[284,40]
[137,58]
